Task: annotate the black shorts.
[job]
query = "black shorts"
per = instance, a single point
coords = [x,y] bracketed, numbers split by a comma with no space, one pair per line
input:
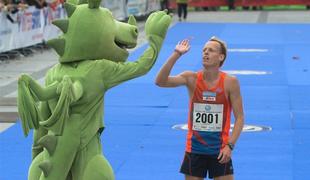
[199,165]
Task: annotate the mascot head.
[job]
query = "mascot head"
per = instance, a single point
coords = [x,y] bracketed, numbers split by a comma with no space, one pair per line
[91,33]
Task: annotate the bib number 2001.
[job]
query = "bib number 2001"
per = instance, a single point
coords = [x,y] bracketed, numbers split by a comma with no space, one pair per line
[207,118]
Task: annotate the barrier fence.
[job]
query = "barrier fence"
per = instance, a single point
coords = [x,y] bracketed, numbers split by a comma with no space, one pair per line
[32,26]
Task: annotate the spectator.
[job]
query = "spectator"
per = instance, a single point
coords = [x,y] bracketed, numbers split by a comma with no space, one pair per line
[1,5]
[231,4]
[164,4]
[182,9]
[254,8]
[257,8]
[11,7]
[245,7]
[37,3]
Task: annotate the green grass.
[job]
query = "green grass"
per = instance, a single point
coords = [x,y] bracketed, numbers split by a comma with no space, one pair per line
[287,7]
[270,8]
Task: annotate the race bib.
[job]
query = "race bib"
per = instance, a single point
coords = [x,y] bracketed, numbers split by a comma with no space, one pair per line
[208,117]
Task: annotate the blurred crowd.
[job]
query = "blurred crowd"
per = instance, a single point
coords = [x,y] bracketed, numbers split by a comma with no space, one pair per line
[16,5]
[11,7]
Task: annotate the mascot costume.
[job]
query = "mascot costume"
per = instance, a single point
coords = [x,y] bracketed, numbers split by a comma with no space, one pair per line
[67,113]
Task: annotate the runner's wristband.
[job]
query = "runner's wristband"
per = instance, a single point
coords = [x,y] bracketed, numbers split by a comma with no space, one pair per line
[178,52]
[231,146]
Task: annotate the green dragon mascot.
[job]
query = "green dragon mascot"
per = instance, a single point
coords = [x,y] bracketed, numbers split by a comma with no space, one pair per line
[67,113]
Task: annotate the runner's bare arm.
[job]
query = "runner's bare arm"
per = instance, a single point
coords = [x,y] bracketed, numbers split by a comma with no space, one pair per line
[236,103]
[237,107]
[163,78]
[173,81]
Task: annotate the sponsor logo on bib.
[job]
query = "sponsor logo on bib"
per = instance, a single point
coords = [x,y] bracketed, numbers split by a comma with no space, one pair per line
[208,96]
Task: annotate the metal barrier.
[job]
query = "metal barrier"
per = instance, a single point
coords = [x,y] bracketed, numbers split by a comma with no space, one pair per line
[34,26]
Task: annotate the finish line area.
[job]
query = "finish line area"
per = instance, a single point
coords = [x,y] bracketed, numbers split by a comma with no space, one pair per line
[272,64]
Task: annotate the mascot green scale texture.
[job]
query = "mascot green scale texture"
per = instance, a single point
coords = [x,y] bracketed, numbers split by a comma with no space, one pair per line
[67,114]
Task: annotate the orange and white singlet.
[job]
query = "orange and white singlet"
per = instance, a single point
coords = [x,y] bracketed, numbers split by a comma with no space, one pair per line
[209,117]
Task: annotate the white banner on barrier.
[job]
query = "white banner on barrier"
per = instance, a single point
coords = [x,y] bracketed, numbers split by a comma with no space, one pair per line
[142,7]
[51,31]
[6,31]
[137,7]
[153,5]
[32,26]
[117,7]
[30,29]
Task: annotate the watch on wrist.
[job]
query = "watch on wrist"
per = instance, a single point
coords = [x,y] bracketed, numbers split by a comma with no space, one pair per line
[179,52]
[231,146]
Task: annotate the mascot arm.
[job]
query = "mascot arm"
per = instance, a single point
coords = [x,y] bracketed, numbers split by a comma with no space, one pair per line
[30,92]
[67,92]
[40,93]
[116,73]
[156,28]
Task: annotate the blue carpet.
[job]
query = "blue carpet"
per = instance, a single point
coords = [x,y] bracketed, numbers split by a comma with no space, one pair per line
[139,141]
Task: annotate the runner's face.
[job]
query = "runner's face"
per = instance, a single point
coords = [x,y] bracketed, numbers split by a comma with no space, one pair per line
[211,54]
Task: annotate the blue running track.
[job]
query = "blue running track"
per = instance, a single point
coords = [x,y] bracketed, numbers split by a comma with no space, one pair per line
[272,63]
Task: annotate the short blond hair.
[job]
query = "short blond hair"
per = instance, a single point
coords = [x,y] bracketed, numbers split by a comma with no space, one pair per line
[222,45]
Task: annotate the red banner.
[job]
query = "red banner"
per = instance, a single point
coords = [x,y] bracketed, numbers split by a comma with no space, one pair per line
[213,3]
[270,2]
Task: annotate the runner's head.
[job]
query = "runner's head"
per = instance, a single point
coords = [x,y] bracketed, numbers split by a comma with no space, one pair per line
[214,51]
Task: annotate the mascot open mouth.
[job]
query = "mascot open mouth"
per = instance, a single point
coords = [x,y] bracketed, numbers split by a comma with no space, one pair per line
[123,45]
[126,34]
